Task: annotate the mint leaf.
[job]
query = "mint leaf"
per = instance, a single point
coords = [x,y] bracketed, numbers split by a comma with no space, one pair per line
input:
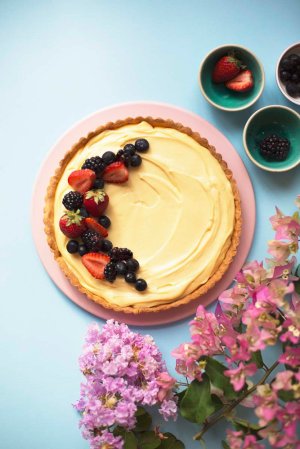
[197,403]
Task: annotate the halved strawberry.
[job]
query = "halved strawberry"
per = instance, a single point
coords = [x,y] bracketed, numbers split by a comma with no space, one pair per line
[95,202]
[115,173]
[72,224]
[226,68]
[95,226]
[95,263]
[242,82]
[82,180]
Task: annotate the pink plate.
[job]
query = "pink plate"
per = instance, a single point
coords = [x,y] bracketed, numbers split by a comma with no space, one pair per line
[114,113]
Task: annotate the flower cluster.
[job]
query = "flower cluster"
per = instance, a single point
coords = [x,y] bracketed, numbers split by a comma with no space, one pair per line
[123,370]
[262,309]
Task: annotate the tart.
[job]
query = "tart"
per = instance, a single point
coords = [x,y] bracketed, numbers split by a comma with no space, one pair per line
[179,213]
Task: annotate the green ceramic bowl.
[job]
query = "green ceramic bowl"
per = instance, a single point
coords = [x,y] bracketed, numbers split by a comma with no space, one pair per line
[217,94]
[273,119]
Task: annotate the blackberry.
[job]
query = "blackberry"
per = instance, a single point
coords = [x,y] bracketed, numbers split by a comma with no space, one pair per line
[110,272]
[72,200]
[124,157]
[274,148]
[92,240]
[94,163]
[117,254]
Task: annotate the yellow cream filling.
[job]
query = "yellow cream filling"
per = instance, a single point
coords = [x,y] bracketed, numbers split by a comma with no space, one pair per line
[176,213]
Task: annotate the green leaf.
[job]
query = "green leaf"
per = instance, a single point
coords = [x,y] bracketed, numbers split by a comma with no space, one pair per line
[257,359]
[244,424]
[217,402]
[140,411]
[215,371]
[297,286]
[143,422]
[225,445]
[180,396]
[130,441]
[286,396]
[119,431]
[197,404]
[149,440]
[171,442]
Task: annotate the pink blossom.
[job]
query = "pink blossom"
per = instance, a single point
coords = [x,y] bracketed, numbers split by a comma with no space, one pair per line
[252,276]
[239,348]
[166,383]
[250,442]
[288,417]
[281,250]
[291,357]
[238,375]
[204,332]
[284,271]
[266,401]
[235,438]
[283,381]
[289,231]
[291,326]
[278,219]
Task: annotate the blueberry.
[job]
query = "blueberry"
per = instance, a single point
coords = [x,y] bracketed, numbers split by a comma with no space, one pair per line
[130,278]
[106,245]
[136,160]
[82,249]
[141,145]
[129,149]
[108,157]
[132,265]
[295,77]
[98,184]
[83,212]
[121,268]
[295,59]
[284,75]
[72,246]
[291,88]
[286,64]
[140,285]
[104,221]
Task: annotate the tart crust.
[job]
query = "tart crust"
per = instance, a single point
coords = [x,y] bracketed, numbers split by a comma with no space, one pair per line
[49,216]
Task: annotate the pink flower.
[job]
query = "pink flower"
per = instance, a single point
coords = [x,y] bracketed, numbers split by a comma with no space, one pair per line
[166,383]
[291,357]
[288,417]
[252,276]
[289,231]
[239,348]
[283,381]
[204,332]
[250,442]
[266,401]
[238,375]
[235,438]
[281,250]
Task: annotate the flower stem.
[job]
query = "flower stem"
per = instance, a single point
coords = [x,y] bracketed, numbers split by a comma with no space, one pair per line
[226,410]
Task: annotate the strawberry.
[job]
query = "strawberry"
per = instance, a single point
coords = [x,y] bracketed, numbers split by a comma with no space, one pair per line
[115,173]
[95,202]
[242,82]
[95,263]
[226,68]
[82,180]
[72,224]
[95,226]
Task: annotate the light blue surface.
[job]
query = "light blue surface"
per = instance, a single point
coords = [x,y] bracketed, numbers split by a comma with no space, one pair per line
[60,61]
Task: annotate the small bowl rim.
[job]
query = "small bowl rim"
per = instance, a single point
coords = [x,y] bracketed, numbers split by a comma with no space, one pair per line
[279,84]
[276,170]
[241,108]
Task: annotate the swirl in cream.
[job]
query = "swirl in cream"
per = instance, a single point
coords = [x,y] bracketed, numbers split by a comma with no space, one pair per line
[176,213]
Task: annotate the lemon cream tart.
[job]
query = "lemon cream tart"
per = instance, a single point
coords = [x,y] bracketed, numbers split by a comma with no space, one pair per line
[179,213]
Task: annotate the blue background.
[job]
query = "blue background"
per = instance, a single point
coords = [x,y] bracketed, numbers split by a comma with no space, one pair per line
[62,60]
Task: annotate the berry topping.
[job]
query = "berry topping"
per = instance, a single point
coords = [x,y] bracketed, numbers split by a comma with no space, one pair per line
[94,163]
[82,249]
[95,226]
[289,73]
[121,268]
[226,68]
[108,157]
[135,160]
[140,285]
[129,149]
[72,200]
[106,245]
[95,202]
[95,263]
[72,224]
[83,212]
[104,221]
[98,184]
[110,273]
[284,75]
[292,88]
[242,82]
[117,254]
[116,173]
[130,278]
[274,148]
[132,265]
[82,180]
[92,240]
[141,145]
[72,246]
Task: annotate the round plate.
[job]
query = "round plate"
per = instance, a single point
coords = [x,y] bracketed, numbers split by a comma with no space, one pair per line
[122,111]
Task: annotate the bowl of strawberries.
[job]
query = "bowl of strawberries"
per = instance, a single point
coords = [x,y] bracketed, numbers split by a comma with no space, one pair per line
[231,78]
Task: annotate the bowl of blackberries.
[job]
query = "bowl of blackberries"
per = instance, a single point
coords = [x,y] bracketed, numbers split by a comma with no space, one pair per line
[288,73]
[271,138]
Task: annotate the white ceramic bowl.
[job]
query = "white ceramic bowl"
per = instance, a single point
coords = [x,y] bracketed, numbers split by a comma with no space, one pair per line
[295,48]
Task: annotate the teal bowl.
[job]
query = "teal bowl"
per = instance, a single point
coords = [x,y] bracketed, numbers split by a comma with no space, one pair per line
[217,94]
[273,119]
